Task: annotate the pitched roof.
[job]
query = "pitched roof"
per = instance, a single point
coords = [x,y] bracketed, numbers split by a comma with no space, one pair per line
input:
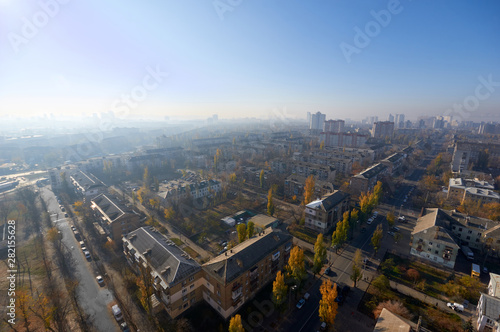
[328,201]
[371,171]
[233,263]
[110,207]
[389,322]
[168,260]
[432,226]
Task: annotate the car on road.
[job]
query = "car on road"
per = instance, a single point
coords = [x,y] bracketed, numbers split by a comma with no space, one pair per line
[322,326]
[65,215]
[87,254]
[100,280]
[301,303]
[369,222]
[391,233]
[117,312]
[124,327]
[455,306]
[73,228]
[402,218]
[395,229]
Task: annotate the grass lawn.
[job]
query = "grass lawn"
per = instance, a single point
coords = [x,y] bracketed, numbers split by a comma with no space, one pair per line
[177,241]
[191,252]
[304,233]
[434,278]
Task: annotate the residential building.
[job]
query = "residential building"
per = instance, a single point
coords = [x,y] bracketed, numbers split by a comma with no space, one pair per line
[431,239]
[473,189]
[323,214]
[465,154]
[393,163]
[399,121]
[367,179]
[488,313]
[341,139]
[471,231]
[323,173]
[494,285]
[233,278]
[173,191]
[390,322]
[177,279]
[334,126]
[116,219]
[86,185]
[317,121]
[382,129]
[294,186]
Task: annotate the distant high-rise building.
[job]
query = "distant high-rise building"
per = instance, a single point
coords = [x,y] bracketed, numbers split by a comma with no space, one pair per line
[334,126]
[391,118]
[317,121]
[215,117]
[400,119]
[438,122]
[383,129]
[309,117]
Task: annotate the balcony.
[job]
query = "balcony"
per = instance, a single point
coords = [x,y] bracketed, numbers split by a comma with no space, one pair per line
[237,292]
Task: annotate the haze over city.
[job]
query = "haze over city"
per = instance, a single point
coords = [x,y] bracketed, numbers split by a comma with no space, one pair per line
[343,58]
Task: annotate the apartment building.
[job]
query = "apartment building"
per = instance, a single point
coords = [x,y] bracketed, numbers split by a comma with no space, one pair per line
[294,186]
[173,191]
[382,129]
[494,285]
[431,239]
[177,279]
[488,314]
[322,173]
[393,163]
[86,185]
[341,163]
[467,153]
[472,189]
[340,139]
[323,214]
[116,219]
[367,179]
[233,278]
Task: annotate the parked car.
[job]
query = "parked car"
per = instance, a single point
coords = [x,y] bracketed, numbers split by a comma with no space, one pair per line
[301,303]
[100,280]
[327,271]
[65,215]
[395,229]
[369,221]
[323,326]
[455,306]
[402,218]
[87,254]
[117,312]
[391,233]
[124,327]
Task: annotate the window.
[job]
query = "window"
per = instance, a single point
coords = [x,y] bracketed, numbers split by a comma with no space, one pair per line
[436,252]
[191,287]
[185,298]
[429,249]
[454,227]
[468,237]
[184,291]
[218,293]
[477,240]
[460,229]
[185,305]
[470,232]
[191,278]
[430,243]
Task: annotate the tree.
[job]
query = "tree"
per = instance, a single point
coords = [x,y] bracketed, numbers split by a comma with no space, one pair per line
[319,253]
[355,215]
[322,145]
[413,275]
[381,284]
[261,178]
[336,239]
[356,274]
[391,219]
[309,189]
[169,213]
[250,229]
[377,193]
[327,305]
[469,326]
[377,237]
[280,290]
[296,267]
[270,204]
[396,307]
[146,178]
[345,227]
[242,232]
[235,324]
[358,258]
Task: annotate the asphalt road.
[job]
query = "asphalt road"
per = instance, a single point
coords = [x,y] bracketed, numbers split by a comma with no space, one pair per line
[92,298]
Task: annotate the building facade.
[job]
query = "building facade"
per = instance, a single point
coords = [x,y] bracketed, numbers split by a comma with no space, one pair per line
[323,214]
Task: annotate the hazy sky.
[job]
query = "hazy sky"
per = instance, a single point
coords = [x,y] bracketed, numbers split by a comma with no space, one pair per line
[252,58]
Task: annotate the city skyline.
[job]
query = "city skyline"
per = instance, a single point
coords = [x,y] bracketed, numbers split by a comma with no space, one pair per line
[168,59]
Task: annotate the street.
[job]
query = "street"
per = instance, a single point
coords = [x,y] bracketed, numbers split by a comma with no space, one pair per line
[93,299]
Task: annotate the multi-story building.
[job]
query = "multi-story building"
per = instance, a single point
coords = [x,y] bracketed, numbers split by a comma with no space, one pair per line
[488,313]
[474,232]
[431,239]
[494,285]
[341,139]
[399,121]
[116,219]
[294,186]
[340,162]
[481,196]
[323,173]
[467,153]
[317,121]
[176,278]
[334,126]
[382,129]
[367,179]
[173,191]
[457,187]
[86,185]
[233,278]
[393,163]
[323,214]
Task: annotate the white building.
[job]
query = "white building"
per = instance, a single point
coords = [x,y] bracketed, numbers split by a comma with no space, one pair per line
[488,313]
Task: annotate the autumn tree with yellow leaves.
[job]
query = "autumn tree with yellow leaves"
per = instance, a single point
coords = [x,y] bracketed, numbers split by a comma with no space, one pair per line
[280,290]
[235,324]
[327,305]
[309,190]
[296,267]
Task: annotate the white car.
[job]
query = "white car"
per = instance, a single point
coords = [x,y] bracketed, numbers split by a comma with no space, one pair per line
[369,221]
[100,280]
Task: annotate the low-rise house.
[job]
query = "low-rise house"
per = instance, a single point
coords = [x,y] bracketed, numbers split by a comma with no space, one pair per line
[176,278]
[173,191]
[233,278]
[488,313]
[116,219]
[323,214]
[472,189]
[431,239]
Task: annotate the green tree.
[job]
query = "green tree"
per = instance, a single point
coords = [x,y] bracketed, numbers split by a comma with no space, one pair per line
[377,237]
[356,274]
[250,229]
[270,203]
[391,218]
[280,290]
[242,232]
[319,254]
[261,178]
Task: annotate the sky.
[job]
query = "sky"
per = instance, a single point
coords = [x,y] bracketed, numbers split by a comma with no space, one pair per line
[250,58]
